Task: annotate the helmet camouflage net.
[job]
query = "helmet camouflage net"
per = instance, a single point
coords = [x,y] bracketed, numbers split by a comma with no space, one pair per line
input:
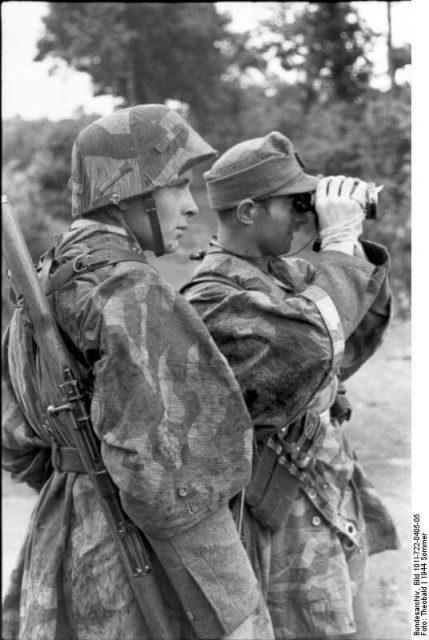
[131,153]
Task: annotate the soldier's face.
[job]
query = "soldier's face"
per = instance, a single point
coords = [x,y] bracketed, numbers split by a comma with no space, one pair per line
[176,207]
[275,226]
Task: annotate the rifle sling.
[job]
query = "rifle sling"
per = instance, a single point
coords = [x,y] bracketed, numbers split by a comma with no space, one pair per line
[68,459]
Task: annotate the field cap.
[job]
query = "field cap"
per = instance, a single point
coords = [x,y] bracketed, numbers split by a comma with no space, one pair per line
[257,168]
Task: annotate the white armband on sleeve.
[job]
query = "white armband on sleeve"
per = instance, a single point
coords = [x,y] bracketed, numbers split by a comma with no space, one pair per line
[332,321]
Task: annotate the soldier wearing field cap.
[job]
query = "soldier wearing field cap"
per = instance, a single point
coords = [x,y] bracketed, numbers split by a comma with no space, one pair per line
[292,331]
[174,432]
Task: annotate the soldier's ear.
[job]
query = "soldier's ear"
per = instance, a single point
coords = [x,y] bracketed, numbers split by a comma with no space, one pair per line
[121,204]
[245,211]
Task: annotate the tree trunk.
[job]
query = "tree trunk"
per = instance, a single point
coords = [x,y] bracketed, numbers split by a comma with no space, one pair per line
[131,85]
[391,68]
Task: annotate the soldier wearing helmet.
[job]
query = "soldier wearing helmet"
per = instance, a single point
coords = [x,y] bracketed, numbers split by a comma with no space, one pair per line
[126,159]
[292,330]
[174,430]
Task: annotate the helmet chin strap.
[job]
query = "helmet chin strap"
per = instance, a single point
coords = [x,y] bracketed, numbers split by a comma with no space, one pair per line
[149,205]
[150,208]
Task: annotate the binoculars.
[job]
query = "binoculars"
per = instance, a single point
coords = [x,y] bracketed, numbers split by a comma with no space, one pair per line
[305,202]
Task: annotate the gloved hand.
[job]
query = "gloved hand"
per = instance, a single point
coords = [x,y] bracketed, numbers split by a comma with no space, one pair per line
[340,211]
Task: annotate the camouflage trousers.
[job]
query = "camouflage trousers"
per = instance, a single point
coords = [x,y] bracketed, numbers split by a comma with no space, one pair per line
[310,581]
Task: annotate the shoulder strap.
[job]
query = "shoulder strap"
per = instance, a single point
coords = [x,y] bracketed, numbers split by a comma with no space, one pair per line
[216,279]
[89,261]
[65,272]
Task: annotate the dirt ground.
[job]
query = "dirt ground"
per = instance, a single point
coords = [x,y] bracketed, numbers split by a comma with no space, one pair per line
[380,430]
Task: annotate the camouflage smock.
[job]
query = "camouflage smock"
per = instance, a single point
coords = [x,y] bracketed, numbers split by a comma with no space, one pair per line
[289,330]
[175,436]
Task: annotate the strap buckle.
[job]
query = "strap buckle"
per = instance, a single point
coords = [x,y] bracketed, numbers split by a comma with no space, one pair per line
[302,451]
[87,261]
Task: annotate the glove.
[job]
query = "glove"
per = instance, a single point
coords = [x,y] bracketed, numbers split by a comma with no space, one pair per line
[340,211]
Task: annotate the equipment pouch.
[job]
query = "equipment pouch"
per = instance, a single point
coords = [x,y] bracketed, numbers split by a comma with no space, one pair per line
[279,469]
[272,488]
[273,509]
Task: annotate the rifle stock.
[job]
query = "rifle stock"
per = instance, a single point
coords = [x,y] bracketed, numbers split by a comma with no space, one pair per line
[59,364]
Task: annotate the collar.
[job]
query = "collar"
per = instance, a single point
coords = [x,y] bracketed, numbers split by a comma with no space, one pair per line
[274,266]
[111,228]
[260,261]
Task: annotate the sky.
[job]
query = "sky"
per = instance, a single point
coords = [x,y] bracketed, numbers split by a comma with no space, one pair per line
[30,91]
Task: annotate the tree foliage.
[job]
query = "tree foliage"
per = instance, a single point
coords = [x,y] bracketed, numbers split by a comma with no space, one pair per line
[326,105]
[142,52]
[36,170]
[324,44]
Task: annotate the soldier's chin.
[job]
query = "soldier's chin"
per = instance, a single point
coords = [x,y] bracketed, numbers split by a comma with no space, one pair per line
[171,246]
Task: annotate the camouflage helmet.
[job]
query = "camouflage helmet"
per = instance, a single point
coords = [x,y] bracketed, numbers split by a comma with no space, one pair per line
[131,153]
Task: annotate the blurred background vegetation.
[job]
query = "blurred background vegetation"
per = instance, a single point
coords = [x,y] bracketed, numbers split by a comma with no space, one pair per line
[305,71]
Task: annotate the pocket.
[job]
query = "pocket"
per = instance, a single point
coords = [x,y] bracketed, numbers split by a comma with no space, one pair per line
[274,507]
[310,591]
[331,617]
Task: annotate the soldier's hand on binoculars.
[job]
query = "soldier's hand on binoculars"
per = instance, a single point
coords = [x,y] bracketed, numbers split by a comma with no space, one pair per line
[340,201]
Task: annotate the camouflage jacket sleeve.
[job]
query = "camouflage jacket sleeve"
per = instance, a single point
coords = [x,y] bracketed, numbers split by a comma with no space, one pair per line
[368,335]
[25,454]
[174,430]
[282,352]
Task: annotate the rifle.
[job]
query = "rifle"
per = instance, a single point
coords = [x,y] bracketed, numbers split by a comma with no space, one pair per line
[79,429]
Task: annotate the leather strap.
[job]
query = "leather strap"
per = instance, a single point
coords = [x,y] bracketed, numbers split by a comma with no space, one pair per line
[217,279]
[150,208]
[90,261]
[67,459]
